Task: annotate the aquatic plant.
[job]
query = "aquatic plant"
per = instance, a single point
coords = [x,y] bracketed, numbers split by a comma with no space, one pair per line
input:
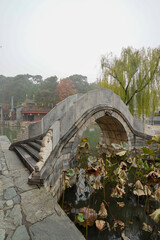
[136,174]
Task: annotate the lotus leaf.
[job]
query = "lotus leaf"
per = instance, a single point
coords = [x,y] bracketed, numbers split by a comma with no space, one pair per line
[100,224]
[116,146]
[103,211]
[80,217]
[156,215]
[71,172]
[122,153]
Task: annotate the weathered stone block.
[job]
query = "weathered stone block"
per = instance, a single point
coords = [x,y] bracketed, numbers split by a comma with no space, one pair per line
[56,132]
[21,234]
[58,227]
[10,193]
[36,129]
[105,97]
[67,121]
[37,204]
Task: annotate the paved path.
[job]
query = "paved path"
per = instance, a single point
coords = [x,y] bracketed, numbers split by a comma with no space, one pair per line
[28,212]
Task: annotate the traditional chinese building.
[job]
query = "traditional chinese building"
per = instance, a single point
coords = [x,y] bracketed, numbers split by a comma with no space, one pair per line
[30,112]
[33,114]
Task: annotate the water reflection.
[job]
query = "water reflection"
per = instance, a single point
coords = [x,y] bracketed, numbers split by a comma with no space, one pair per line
[10,132]
[84,189]
[93,133]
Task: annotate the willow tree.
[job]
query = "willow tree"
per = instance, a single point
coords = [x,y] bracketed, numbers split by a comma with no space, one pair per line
[135,77]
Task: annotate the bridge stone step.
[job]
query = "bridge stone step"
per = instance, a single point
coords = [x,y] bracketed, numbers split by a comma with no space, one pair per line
[25,157]
[34,145]
[38,141]
[32,152]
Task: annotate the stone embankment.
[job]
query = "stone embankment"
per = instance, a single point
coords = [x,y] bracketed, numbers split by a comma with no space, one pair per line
[28,212]
[10,123]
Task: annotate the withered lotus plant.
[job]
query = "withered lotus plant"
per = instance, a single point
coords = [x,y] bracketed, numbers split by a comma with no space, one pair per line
[138,189]
[153,177]
[157,195]
[97,185]
[147,228]
[117,192]
[89,215]
[156,215]
[118,224]
[100,224]
[147,191]
[103,211]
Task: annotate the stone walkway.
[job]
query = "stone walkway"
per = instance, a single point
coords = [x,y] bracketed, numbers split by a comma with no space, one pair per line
[28,212]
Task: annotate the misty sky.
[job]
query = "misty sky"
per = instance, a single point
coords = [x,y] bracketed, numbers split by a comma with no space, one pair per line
[66,37]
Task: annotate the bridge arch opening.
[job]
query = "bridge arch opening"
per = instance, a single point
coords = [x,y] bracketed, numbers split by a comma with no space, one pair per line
[113,127]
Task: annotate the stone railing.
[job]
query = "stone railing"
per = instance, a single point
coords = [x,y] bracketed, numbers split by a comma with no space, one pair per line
[45,151]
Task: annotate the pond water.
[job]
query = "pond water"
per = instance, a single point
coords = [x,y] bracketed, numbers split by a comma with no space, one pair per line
[10,132]
[133,214]
[93,133]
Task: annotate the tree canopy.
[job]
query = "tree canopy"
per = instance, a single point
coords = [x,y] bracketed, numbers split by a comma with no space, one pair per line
[18,87]
[135,77]
[46,95]
[46,92]
[80,82]
[65,88]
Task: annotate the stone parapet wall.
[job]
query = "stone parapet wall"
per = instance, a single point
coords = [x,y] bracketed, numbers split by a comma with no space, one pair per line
[45,151]
[54,115]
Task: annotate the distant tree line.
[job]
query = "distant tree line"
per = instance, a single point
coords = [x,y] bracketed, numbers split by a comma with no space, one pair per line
[46,92]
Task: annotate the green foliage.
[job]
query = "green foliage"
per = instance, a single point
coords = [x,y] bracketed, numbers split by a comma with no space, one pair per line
[148,151]
[116,146]
[134,76]
[81,84]
[45,91]
[70,172]
[80,217]
[155,139]
[91,159]
[17,87]
[46,94]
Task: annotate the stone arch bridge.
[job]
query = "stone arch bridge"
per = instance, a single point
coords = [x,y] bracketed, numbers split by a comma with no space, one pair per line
[48,147]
